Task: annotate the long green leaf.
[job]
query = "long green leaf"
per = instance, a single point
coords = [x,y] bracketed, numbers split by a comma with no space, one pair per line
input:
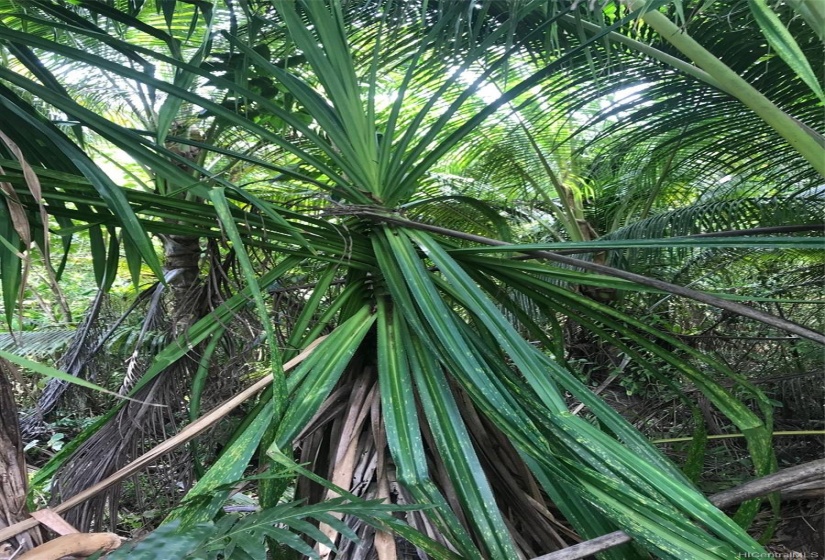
[49,371]
[456,447]
[785,45]
[10,263]
[207,496]
[401,419]
[313,380]
[218,198]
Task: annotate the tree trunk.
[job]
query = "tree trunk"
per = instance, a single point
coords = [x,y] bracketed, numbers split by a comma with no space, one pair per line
[12,465]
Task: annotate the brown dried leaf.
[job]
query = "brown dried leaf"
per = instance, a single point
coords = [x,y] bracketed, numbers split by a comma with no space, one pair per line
[53,521]
[17,212]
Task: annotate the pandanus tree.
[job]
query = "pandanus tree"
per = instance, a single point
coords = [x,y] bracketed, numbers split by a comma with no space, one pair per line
[310,150]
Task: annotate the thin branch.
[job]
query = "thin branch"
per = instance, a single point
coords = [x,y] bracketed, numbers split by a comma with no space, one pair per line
[770,483]
[753,489]
[733,307]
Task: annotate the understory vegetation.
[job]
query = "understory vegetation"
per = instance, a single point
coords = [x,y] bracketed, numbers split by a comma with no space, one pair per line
[386,279]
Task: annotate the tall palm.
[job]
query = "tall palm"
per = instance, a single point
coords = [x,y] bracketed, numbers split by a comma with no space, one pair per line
[423,379]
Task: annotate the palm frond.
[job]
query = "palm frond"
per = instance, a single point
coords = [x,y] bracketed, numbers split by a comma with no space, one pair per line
[36,344]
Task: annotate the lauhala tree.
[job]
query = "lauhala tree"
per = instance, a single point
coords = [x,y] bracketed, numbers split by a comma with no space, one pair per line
[424,378]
